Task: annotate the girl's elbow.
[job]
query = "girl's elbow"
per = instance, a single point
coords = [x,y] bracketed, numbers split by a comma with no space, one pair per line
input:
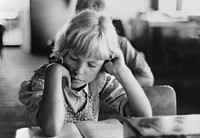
[145,112]
[51,130]
[139,112]
[148,112]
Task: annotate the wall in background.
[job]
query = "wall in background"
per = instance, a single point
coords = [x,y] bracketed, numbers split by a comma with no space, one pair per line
[47,16]
[25,26]
[126,10]
[10,18]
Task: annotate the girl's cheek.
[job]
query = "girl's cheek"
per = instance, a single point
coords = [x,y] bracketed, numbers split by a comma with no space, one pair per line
[68,66]
[95,71]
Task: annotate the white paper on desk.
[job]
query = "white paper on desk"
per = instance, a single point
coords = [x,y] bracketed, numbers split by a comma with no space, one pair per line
[167,126]
[23,133]
[110,128]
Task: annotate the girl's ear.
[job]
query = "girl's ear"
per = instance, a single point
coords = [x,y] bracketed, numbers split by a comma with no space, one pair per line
[103,69]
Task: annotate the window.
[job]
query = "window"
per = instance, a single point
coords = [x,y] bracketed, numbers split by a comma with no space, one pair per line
[167,6]
[187,7]
[191,7]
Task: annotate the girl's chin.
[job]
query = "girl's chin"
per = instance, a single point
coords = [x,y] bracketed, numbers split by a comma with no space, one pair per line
[76,86]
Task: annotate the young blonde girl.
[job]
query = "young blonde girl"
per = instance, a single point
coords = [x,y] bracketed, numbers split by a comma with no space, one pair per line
[89,67]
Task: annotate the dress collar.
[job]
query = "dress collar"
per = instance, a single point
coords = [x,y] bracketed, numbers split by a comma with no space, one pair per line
[95,87]
[86,89]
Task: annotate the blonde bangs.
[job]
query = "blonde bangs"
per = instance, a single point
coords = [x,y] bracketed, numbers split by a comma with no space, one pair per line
[98,41]
[90,35]
[91,46]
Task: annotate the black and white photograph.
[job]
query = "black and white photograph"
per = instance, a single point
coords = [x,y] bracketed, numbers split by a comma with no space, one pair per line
[99,68]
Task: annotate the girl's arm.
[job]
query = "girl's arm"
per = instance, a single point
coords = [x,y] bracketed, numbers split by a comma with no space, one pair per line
[138,104]
[50,116]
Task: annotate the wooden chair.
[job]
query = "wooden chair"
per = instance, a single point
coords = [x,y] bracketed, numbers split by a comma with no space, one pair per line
[162,99]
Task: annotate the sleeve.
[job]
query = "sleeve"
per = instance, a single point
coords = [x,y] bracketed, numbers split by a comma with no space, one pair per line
[135,60]
[114,95]
[129,52]
[31,92]
[142,71]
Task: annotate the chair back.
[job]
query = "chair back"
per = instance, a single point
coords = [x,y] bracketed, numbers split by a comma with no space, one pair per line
[162,99]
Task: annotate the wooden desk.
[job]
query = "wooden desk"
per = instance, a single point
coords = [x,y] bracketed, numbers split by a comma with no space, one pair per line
[110,128]
[187,126]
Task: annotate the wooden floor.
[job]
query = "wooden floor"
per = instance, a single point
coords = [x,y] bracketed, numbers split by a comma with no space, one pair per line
[18,66]
[15,67]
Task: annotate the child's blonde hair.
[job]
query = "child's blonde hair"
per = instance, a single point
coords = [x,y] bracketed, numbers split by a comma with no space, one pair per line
[88,34]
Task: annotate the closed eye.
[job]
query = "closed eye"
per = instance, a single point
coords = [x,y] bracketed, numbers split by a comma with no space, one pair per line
[92,66]
[95,64]
[73,58]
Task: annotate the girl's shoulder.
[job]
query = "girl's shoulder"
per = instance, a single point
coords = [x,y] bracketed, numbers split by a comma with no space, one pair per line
[41,70]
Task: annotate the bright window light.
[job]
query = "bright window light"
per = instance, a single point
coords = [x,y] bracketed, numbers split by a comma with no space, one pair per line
[191,7]
[167,6]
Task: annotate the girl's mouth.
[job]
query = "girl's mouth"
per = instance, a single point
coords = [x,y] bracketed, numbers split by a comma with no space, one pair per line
[77,79]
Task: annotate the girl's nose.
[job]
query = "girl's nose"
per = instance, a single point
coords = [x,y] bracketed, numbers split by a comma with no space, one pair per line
[80,68]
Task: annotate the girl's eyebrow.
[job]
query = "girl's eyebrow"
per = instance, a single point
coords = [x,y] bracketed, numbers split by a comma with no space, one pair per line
[91,61]
[71,52]
[73,55]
